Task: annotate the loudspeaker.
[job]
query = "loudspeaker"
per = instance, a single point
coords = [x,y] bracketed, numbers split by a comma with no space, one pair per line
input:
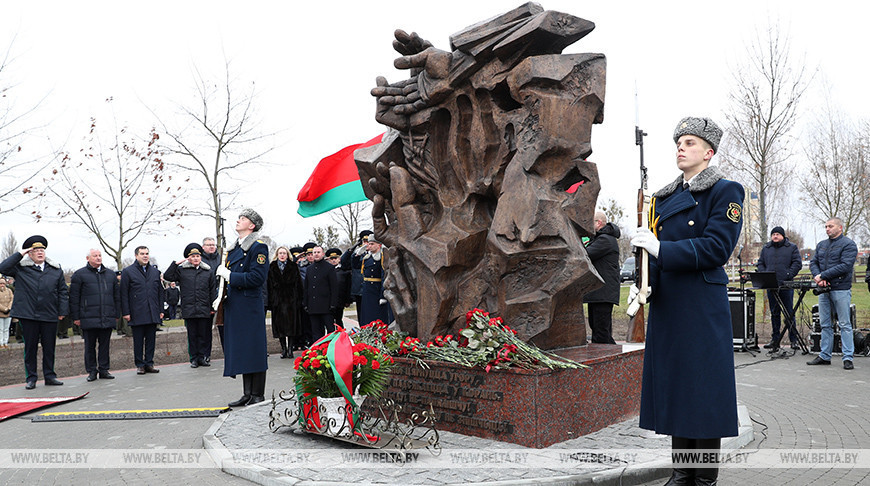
[743,319]
[817,325]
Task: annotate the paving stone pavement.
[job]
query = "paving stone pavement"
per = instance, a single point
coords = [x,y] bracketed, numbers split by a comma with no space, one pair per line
[792,406]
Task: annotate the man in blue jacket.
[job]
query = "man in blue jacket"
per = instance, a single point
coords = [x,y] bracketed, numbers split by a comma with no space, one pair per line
[95,304]
[142,307]
[832,267]
[783,257]
[41,299]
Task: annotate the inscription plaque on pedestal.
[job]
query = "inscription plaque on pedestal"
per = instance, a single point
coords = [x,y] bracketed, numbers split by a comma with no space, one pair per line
[533,408]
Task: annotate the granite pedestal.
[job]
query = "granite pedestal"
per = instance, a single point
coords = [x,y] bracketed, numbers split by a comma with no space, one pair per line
[532,408]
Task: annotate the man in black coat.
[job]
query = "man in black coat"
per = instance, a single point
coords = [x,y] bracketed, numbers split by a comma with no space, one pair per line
[41,299]
[142,307]
[95,305]
[172,297]
[198,291]
[603,251]
[783,257]
[320,294]
[212,258]
[333,256]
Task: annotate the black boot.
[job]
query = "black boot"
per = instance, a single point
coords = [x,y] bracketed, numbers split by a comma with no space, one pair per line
[681,476]
[247,383]
[258,388]
[709,474]
[284,350]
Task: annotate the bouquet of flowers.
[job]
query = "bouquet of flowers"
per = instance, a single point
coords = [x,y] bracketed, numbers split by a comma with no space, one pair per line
[485,341]
[370,373]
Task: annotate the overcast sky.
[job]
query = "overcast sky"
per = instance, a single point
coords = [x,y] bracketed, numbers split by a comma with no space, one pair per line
[314,63]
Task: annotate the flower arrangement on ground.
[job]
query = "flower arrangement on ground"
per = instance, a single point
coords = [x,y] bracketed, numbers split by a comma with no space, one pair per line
[369,370]
[486,342]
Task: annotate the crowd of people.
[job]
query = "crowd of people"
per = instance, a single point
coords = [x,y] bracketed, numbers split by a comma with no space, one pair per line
[305,288]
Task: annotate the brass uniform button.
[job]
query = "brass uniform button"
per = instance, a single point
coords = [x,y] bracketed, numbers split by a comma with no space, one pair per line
[660,228]
[691,223]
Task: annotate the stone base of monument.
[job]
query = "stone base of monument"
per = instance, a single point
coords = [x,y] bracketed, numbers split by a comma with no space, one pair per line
[532,408]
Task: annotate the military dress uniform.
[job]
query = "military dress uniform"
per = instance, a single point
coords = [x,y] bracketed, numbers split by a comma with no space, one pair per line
[371,308]
[244,315]
[688,373]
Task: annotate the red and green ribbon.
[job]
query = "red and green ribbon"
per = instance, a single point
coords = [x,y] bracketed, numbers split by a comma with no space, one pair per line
[339,355]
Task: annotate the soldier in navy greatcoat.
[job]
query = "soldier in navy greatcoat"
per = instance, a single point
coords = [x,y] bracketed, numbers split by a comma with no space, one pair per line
[373,304]
[244,315]
[688,389]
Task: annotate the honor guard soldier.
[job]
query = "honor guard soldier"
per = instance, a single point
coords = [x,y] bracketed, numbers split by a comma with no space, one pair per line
[352,260]
[244,317]
[688,389]
[41,300]
[374,305]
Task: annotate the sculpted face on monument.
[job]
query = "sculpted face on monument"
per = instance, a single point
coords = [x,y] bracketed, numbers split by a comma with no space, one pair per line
[471,184]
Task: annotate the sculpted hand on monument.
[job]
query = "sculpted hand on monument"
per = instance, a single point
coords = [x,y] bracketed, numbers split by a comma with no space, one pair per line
[427,86]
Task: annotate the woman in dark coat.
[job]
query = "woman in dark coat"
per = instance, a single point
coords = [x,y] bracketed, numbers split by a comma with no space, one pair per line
[689,390]
[284,287]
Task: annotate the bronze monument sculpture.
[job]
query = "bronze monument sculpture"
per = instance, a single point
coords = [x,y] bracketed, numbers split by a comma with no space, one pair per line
[481,188]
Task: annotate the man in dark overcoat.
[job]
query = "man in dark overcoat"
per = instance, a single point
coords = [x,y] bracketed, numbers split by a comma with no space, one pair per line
[172,297]
[783,257]
[244,310]
[320,296]
[41,300]
[342,274]
[688,389]
[212,258]
[142,307]
[603,250]
[94,306]
[198,291]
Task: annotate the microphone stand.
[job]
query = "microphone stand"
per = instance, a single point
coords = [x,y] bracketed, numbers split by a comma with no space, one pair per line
[743,346]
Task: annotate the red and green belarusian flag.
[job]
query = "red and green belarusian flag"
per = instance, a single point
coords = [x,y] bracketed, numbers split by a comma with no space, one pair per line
[334,182]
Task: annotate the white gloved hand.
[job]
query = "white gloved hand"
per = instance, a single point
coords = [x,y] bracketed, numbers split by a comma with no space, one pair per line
[645,239]
[633,302]
[223,271]
[216,304]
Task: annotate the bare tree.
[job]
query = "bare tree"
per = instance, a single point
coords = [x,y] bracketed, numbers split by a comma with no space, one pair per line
[220,138]
[10,246]
[116,190]
[17,168]
[763,101]
[835,183]
[327,237]
[352,218]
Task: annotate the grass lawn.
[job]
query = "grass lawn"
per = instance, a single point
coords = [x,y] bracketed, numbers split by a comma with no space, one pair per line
[860,297]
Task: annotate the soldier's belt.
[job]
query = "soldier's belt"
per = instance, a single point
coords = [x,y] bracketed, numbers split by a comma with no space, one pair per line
[370,279]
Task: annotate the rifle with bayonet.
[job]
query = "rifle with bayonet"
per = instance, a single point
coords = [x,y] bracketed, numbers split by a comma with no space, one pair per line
[636,328]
